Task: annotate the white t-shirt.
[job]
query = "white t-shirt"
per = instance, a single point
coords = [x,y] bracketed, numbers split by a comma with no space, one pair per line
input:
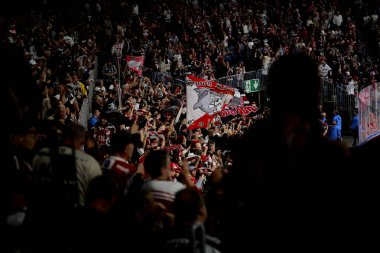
[98,7]
[266,64]
[163,190]
[136,9]
[338,20]
[351,88]
[167,15]
[178,57]
[374,17]
[324,70]
[87,168]
[366,19]
[264,18]
[245,29]
[100,89]
[225,41]
[228,23]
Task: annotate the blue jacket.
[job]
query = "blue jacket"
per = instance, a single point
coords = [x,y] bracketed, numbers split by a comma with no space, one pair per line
[334,133]
[338,120]
[355,123]
[92,122]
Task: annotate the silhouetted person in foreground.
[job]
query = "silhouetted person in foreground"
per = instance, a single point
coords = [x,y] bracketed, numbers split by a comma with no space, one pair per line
[288,186]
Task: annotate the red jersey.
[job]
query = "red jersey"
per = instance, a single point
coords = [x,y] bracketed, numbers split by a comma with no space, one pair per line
[120,166]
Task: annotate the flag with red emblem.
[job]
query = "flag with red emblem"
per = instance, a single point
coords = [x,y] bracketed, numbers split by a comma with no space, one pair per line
[205,99]
[136,63]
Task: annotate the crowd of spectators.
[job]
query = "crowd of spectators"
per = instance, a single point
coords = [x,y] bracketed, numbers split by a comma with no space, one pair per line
[135,176]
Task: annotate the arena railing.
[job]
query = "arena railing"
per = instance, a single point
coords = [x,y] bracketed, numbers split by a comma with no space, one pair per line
[237,80]
[332,93]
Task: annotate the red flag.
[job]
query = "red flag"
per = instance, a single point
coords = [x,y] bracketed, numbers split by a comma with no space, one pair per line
[136,63]
[202,122]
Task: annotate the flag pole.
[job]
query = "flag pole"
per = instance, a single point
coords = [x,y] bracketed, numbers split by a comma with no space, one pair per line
[119,90]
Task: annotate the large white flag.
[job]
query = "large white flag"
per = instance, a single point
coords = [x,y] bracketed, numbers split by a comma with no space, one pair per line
[205,99]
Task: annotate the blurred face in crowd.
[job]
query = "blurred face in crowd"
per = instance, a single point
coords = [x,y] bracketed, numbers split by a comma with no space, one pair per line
[50,91]
[28,140]
[61,88]
[103,122]
[198,146]
[74,78]
[212,148]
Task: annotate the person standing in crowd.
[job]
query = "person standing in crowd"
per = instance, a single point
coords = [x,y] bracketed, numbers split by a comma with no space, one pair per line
[334,132]
[94,119]
[157,166]
[85,166]
[189,233]
[338,121]
[338,19]
[355,128]
[109,72]
[100,89]
[119,163]
[103,132]
[324,70]
[291,186]
[78,89]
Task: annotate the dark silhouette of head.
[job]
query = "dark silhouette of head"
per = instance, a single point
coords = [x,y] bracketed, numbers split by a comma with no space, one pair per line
[293,87]
[189,207]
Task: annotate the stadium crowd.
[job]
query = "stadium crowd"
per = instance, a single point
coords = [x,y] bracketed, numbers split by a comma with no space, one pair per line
[135,176]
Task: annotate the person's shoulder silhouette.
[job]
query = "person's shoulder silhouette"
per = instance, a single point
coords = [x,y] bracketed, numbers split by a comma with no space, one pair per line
[285,173]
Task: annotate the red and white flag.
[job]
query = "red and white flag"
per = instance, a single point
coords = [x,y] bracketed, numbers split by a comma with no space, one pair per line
[205,99]
[136,63]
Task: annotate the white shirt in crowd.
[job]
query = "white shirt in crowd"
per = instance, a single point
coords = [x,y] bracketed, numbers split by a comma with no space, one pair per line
[178,57]
[324,70]
[309,22]
[225,41]
[117,49]
[264,18]
[338,20]
[98,7]
[374,17]
[245,28]
[266,64]
[163,190]
[136,10]
[165,66]
[122,29]
[100,89]
[366,19]
[228,22]
[167,15]
[87,168]
[351,87]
